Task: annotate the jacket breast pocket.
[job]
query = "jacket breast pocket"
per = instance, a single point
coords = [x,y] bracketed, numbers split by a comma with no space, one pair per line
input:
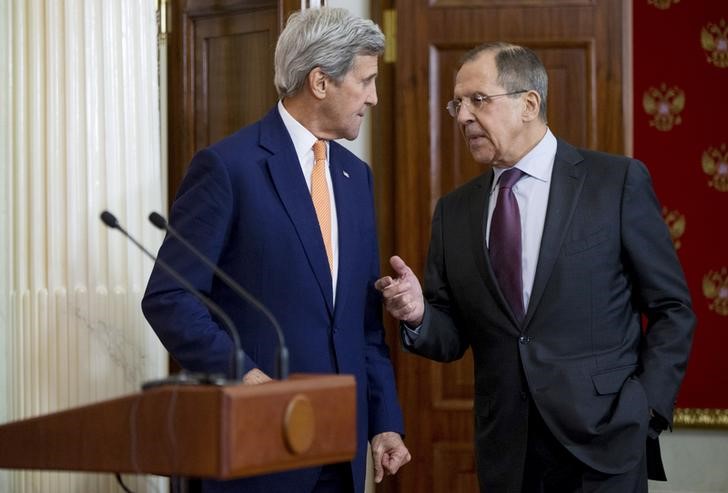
[586,243]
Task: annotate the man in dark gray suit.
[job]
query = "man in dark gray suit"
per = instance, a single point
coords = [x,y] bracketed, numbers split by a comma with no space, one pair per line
[546,265]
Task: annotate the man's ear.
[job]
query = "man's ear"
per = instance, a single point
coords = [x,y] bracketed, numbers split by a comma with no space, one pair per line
[531,105]
[318,82]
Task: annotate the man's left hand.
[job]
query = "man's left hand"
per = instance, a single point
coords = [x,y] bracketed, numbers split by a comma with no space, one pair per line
[389,454]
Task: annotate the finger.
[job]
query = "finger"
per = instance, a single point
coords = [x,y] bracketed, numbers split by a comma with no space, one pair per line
[396,461]
[400,294]
[390,464]
[383,283]
[397,295]
[378,471]
[403,304]
[399,266]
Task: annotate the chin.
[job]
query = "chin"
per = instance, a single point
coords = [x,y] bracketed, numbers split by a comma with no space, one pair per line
[481,156]
[351,135]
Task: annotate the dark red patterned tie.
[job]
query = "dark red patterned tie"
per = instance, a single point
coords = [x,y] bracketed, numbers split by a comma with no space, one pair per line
[504,245]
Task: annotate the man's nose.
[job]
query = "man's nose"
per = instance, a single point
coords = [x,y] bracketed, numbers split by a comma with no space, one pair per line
[372,96]
[465,116]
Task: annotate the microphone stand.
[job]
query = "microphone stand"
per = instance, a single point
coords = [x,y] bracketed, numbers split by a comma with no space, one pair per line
[110,220]
[282,351]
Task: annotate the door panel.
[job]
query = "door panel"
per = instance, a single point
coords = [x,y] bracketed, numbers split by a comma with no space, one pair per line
[234,73]
[220,73]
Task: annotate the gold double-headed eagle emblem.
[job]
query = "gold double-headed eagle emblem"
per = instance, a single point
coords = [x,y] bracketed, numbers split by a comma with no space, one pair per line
[715,288]
[665,106]
[714,38]
[676,224]
[715,165]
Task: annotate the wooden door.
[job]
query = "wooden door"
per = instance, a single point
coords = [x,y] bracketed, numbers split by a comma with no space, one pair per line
[583,45]
[220,72]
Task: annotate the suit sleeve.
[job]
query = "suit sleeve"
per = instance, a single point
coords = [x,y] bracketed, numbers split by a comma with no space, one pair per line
[439,337]
[660,290]
[385,413]
[201,213]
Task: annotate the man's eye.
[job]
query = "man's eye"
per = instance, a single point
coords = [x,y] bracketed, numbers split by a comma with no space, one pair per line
[478,100]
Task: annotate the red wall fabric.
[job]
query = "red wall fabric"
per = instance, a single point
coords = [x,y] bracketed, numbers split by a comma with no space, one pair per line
[680,58]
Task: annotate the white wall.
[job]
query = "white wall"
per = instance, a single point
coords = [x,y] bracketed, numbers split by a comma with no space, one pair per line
[696,461]
[361,146]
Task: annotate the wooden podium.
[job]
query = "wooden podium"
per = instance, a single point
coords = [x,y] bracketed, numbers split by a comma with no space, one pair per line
[219,432]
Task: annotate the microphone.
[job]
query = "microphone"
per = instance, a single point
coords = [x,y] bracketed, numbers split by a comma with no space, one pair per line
[110,220]
[282,351]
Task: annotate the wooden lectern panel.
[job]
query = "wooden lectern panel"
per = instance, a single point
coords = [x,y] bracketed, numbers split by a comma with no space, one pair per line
[218,432]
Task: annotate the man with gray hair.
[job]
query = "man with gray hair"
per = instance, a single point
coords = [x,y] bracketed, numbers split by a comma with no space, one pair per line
[546,266]
[289,214]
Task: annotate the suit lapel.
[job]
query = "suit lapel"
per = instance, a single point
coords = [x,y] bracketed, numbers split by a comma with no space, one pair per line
[567,180]
[288,180]
[346,221]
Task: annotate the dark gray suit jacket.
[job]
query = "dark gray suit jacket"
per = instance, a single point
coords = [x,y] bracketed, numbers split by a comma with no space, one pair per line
[583,353]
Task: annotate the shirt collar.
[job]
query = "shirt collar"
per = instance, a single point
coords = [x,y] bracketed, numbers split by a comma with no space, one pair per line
[302,138]
[538,162]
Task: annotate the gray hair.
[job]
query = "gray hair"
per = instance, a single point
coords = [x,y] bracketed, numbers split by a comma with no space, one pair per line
[325,37]
[518,67]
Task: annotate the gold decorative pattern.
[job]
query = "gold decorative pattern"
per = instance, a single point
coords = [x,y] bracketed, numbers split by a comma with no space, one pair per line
[701,418]
[715,288]
[676,223]
[664,105]
[662,4]
[714,38]
[715,165]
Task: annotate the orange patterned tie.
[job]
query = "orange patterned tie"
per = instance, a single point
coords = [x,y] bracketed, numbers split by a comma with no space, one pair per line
[320,196]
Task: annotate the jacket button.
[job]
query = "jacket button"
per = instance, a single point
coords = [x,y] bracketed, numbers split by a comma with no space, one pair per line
[524,396]
[524,339]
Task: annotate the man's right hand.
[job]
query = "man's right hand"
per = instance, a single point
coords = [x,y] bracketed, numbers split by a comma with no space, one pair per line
[402,293]
[255,377]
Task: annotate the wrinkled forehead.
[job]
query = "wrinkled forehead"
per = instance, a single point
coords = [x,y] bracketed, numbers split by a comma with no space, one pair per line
[477,75]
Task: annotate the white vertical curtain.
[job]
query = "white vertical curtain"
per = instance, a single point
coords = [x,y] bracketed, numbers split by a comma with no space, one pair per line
[4,264]
[81,133]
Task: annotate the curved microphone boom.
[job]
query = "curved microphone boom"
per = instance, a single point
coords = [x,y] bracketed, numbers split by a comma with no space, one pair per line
[110,220]
[282,356]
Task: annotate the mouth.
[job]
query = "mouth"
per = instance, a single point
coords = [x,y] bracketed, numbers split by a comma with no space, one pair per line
[475,138]
[473,133]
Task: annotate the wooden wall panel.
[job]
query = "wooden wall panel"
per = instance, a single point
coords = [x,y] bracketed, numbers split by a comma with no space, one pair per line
[454,467]
[220,73]
[452,385]
[234,75]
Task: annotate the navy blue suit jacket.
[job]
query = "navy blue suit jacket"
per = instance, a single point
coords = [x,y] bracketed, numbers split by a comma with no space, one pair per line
[245,204]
